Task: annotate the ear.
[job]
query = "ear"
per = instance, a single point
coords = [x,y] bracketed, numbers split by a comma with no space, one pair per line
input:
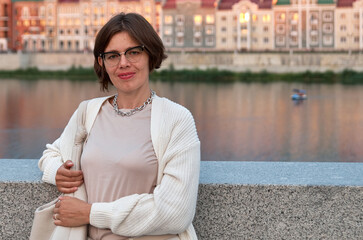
[100,62]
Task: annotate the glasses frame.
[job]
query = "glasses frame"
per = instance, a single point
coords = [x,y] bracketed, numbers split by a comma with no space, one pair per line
[102,55]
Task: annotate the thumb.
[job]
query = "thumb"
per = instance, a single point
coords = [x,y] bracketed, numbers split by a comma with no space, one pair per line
[68,164]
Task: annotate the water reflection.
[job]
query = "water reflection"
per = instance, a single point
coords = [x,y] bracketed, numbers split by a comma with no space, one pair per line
[236,122]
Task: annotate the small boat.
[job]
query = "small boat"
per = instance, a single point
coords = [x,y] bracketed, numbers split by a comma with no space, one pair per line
[299,94]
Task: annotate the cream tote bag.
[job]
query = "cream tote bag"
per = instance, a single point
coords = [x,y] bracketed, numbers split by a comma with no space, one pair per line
[43,227]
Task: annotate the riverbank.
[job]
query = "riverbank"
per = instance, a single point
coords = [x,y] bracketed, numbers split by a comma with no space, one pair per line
[196,75]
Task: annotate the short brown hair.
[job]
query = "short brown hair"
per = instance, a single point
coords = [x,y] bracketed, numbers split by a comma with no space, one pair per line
[140,30]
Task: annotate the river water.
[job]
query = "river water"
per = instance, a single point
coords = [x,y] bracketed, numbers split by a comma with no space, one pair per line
[235,122]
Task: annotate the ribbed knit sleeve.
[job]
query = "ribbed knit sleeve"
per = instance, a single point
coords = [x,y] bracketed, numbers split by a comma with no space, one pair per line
[58,152]
[171,207]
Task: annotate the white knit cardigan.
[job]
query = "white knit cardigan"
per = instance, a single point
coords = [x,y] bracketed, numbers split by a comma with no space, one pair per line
[170,208]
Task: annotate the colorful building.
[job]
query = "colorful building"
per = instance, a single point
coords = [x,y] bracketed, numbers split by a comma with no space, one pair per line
[201,25]
[28,23]
[5,24]
[189,24]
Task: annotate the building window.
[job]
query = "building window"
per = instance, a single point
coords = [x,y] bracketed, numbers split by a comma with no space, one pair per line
[281,17]
[327,28]
[280,28]
[343,28]
[343,39]
[179,20]
[197,19]
[61,45]
[197,29]
[197,41]
[209,30]
[223,18]
[25,12]
[244,17]
[255,40]
[327,16]
[328,40]
[168,30]
[168,41]
[209,19]
[266,18]
[42,12]
[356,39]
[293,40]
[179,41]
[209,41]
[342,16]
[244,39]
[77,45]
[223,29]
[280,41]
[314,40]
[224,40]
[168,19]
[265,40]
[265,28]
[179,31]
[69,45]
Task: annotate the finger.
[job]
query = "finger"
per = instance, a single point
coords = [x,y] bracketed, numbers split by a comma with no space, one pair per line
[67,190]
[58,222]
[71,173]
[67,184]
[61,198]
[68,164]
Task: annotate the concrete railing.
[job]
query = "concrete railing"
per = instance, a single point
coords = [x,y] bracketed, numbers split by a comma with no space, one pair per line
[249,61]
[237,200]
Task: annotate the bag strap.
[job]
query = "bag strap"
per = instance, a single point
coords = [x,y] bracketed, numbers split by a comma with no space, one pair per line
[81,135]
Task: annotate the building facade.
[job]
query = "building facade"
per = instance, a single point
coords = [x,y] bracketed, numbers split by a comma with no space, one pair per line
[190,25]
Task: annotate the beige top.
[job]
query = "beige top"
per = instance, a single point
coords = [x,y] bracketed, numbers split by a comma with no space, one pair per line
[118,160]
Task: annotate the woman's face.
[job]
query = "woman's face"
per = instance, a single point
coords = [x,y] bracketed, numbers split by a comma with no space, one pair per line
[127,77]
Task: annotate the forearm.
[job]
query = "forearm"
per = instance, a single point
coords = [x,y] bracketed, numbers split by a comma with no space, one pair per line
[170,209]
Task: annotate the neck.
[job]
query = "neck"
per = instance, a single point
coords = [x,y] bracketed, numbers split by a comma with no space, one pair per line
[132,100]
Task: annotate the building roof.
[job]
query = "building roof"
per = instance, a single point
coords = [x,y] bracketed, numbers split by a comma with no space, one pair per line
[27,0]
[345,3]
[208,3]
[326,1]
[227,4]
[68,1]
[283,2]
[168,4]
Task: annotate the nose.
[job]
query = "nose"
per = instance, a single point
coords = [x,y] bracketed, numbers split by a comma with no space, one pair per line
[123,61]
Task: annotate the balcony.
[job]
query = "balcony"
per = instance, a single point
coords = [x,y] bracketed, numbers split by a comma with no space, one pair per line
[314,22]
[314,33]
[180,34]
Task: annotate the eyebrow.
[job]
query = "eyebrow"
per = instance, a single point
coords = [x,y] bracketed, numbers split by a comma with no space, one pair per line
[115,51]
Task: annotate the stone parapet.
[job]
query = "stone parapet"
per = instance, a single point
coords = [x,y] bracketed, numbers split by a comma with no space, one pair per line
[248,61]
[237,200]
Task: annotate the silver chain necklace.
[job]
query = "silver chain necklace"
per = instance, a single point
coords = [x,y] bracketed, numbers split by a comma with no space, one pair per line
[135,110]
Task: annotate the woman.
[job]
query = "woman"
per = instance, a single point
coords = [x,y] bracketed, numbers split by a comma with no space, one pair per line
[140,161]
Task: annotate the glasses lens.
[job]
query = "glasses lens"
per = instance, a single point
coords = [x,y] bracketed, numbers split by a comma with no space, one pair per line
[134,54]
[112,59]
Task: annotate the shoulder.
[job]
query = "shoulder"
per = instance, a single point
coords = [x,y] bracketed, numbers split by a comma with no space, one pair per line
[172,109]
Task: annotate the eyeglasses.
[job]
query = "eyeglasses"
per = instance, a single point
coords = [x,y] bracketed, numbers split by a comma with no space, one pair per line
[132,55]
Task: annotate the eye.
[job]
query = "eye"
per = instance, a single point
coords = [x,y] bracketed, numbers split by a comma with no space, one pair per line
[136,51]
[111,56]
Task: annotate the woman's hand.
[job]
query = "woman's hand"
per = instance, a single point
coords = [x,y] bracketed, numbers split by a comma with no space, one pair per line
[71,212]
[67,180]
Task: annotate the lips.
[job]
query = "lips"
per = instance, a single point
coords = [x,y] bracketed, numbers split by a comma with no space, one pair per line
[126,75]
